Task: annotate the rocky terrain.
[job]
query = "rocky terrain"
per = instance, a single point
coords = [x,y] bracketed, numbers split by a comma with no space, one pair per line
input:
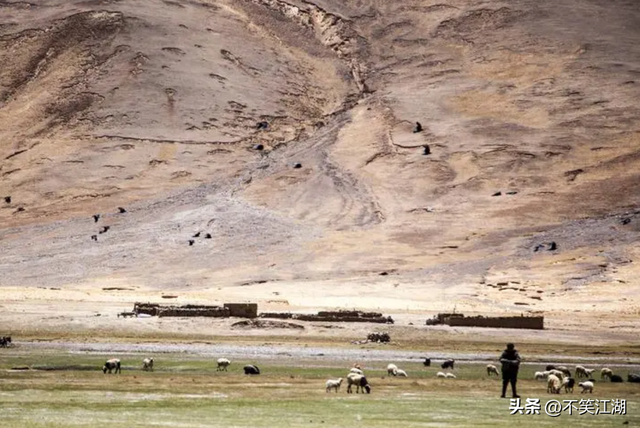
[285,131]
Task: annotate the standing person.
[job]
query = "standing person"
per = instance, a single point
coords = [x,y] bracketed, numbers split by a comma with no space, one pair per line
[510,360]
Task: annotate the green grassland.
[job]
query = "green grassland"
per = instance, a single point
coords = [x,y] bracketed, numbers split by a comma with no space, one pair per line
[69,390]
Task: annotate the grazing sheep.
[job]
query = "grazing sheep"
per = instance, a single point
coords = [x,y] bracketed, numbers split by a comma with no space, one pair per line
[392,369]
[207,236]
[581,372]
[616,378]
[121,210]
[401,373]
[223,363]
[94,237]
[568,383]
[7,199]
[417,128]
[565,371]
[448,364]
[113,363]
[427,362]
[541,375]
[586,386]
[359,381]
[589,372]
[197,235]
[606,373]
[331,383]
[191,242]
[440,374]
[557,373]
[104,229]
[96,217]
[251,370]
[553,384]
[450,376]
[550,367]
[356,371]
[491,369]
[633,378]
[147,364]
[426,150]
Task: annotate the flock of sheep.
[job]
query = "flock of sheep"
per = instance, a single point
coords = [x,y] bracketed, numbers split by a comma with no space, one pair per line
[356,377]
[557,377]
[560,377]
[113,365]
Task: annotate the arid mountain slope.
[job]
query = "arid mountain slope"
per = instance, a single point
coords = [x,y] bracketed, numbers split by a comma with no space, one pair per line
[155,108]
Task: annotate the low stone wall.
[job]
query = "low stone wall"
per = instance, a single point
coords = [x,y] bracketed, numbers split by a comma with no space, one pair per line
[146,308]
[250,310]
[242,310]
[533,323]
[333,316]
[178,311]
[277,315]
[155,309]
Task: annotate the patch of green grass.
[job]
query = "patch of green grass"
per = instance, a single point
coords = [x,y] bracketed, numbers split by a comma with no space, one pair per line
[186,391]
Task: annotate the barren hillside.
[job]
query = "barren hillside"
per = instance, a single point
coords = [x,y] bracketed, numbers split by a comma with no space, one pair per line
[529,107]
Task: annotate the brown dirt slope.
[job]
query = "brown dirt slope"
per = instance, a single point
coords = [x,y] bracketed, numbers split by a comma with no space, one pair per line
[155,108]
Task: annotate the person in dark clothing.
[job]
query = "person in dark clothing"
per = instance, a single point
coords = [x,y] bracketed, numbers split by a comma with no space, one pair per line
[510,360]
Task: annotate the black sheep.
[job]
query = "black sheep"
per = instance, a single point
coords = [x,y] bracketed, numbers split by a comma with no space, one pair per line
[568,386]
[251,370]
[365,385]
[448,364]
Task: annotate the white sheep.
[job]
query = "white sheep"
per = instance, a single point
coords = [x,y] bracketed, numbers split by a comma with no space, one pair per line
[392,369]
[334,383]
[557,373]
[441,374]
[553,384]
[147,364]
[450,376]
[589,372]
[359,381]
[581,371]
[223,363]
[401,373]
[491,369]
[541,375]
[606,373]
[586,386]
[356,371]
